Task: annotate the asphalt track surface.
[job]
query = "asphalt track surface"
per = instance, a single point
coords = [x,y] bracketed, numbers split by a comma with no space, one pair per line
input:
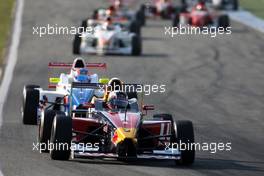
[217,83]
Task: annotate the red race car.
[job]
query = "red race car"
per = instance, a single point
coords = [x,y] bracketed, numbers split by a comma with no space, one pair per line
[116,127]
[200,16]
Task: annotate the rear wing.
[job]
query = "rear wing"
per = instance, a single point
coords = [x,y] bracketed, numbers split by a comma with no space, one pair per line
[52,82]
[69,65]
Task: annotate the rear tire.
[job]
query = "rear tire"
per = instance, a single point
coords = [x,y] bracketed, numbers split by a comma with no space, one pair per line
[76,44]
[185,135]
[141,17]
[61,136]
[176,20]
[136,45]
[224,21]
[135,27]
[30,105]
[235,5]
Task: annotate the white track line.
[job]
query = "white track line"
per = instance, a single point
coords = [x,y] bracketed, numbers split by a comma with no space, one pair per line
[11,58]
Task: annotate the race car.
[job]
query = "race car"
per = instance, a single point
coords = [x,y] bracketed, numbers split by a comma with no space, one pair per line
[162,8]
[117,128]
[36,99]
[108,38]
[217,4]
[118,10]
[200,16]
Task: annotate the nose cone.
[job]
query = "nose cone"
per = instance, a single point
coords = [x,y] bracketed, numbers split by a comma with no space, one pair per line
[122,134]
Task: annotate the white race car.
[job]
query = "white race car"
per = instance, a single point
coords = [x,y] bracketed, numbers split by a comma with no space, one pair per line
[36,99]
[108,39]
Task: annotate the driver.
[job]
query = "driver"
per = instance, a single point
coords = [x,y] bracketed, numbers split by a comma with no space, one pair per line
[118,4]
[82,76]
[108,24]
[201,6]
[117,100]
[111,11]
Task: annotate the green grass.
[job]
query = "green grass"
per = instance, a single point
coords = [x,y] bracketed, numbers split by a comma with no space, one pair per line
[6,7]
[254,6]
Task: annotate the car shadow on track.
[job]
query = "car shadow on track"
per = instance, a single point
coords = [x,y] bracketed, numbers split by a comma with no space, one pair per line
[221,164]
[200,164]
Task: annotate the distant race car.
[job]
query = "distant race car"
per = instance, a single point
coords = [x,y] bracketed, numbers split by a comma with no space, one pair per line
[200,16]
[36,99]
[218,4]
[108,38]
[116,128]
[162,8]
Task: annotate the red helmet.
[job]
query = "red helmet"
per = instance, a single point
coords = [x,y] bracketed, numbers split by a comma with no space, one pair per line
[200,6]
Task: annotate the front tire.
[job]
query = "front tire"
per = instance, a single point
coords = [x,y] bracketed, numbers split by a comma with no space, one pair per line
[136,45]
[61,136]
[30,105]
[45,126]
[185,135]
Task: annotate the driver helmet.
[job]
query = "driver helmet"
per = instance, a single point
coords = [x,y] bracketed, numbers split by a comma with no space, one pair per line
[201,6]
[82,75]
[111,11]
[118,4]
[117,100]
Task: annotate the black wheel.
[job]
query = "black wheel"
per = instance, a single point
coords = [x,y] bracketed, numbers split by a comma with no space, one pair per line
[223,21]
[45,125]
[30,104]
[235,4]
[126,150]
[76,44]
[61,136]
[132,95]
[176,20]
[163,117]
[185,136]
[84,25]
[136,45]
[135,27]
[141,17]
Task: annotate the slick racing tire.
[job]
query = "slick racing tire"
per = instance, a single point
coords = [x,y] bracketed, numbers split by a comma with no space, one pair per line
[30,105]
[185,135]
[61,136]
[140,16]
[176,19]
[224,21]
[235,4]
[136,45]
[45,126]
[77,38]
[135,27]
[131,95]
[76,44]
